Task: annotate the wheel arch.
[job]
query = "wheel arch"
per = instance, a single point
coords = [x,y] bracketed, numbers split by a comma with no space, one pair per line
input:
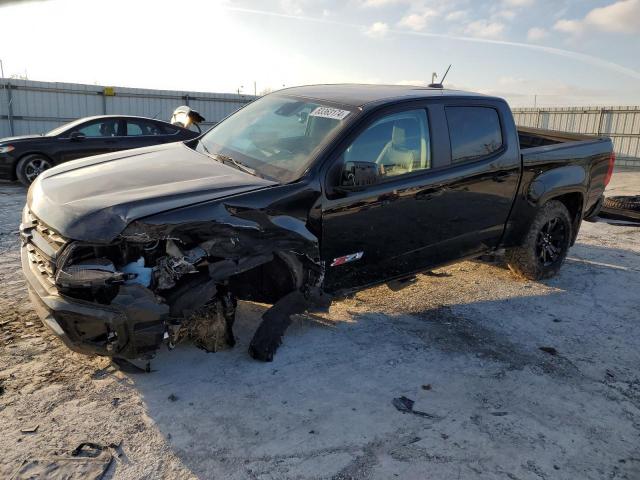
[574,202]
[270,281]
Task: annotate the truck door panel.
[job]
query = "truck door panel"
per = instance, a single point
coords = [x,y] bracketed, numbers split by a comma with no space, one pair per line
[418,221]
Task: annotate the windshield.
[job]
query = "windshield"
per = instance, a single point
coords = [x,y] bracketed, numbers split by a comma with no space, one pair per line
[63,128]
[275,135]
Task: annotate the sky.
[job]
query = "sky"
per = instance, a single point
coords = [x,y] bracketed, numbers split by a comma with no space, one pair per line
[543,52]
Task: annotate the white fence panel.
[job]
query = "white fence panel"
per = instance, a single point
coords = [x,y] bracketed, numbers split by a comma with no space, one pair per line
[30,107]
[622,124]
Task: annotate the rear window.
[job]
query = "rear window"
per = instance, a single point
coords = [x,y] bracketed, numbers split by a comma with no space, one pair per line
[137,128]
[170,129]
[474,132]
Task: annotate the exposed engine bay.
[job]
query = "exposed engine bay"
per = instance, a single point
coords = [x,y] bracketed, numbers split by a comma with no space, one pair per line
[172,291]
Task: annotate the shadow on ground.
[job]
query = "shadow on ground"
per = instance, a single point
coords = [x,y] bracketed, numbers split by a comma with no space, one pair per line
[501,404]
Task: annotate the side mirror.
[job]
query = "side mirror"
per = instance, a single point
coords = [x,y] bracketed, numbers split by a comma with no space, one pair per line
[359,175]
[77,136]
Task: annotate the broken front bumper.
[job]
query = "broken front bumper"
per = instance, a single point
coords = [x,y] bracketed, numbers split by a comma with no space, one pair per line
[132,326]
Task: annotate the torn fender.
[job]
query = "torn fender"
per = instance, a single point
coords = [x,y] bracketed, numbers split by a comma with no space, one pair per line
[246,228]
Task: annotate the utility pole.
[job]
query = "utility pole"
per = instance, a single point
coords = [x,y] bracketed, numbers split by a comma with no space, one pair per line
[535,101]
[255,89]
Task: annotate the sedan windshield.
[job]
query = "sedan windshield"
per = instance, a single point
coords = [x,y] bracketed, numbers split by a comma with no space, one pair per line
[275,136]
[64,128]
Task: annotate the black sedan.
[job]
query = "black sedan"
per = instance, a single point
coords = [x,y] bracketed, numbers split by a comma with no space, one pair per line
[24,158]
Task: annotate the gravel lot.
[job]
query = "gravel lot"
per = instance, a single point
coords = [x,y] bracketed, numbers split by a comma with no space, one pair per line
[464,344]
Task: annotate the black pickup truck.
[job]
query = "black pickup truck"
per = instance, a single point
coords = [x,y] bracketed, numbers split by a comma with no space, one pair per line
[303,195]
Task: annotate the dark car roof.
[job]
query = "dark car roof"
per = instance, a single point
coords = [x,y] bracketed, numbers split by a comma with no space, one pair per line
[358,95]
[133,117]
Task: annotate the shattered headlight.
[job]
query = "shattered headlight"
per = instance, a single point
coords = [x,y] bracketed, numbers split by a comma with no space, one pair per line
[93,274]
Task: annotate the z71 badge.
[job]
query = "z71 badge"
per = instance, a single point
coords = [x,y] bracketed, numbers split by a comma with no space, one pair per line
[346,259]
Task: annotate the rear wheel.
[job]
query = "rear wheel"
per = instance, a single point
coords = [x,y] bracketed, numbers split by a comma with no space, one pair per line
[546,244]
[30,166]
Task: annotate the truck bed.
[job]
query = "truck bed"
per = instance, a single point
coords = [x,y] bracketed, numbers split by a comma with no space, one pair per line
[536,137]
[557,159]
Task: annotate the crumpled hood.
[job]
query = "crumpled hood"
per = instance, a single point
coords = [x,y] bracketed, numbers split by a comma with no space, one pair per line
[95,198]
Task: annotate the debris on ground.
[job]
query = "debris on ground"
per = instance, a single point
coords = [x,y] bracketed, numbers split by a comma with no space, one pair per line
[549,350]
[172,398]
[405,405]
[426,386]
[431,273]
[624,208]
[623,202]
[275,321]
[210,327]
[87,461]
[29,429]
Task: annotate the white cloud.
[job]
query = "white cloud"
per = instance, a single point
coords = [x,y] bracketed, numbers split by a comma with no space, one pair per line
[380,3]
[377,30]
[519,3]
[536,34]
[619,17]
[569,26]
[417,21]
[485,29]
[291,7]
[506,14]
[457,15]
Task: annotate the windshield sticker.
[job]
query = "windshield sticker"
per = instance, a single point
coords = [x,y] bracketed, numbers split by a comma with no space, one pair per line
[327,112]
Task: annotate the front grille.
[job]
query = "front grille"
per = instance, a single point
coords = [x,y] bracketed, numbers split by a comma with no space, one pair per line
[41,263]
[43,245]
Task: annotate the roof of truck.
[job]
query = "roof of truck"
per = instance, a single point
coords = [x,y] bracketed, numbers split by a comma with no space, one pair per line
[358,95]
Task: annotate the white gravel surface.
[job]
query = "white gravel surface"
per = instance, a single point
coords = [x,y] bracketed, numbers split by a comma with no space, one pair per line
[465,345]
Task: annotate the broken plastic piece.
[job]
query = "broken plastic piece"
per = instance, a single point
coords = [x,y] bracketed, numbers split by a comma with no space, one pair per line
[405,405]
[143,274]
[275,322]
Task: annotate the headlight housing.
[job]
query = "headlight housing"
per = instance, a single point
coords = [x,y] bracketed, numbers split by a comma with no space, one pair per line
[6,148]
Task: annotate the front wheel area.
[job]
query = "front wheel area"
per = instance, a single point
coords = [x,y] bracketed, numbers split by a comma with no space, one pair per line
[30,166]
[545,246]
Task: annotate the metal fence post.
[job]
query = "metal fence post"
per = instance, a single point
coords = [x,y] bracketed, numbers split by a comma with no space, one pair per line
[10,108]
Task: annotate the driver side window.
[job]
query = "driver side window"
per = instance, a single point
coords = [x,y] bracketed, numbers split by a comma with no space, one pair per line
[398,144]
[102,128]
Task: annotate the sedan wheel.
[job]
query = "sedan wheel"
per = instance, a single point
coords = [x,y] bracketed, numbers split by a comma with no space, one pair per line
[30,167]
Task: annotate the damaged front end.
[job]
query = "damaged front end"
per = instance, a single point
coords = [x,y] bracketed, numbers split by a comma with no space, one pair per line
[157,282]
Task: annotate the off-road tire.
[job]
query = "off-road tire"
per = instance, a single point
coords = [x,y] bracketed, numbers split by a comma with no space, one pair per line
[528,259]
[26,163]
[623,202]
